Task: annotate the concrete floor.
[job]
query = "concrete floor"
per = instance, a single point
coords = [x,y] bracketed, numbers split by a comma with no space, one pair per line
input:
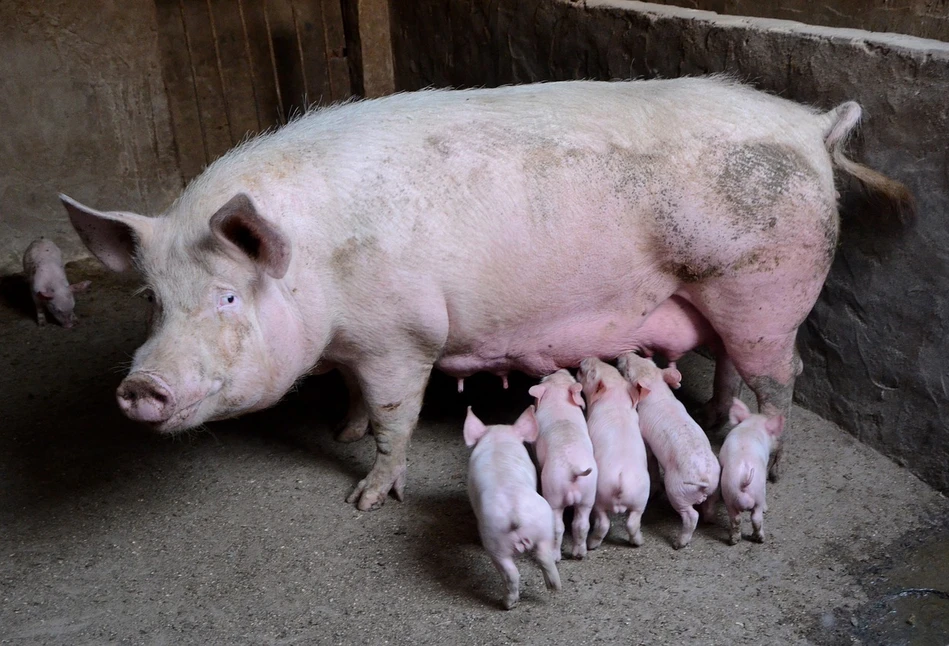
[240,534]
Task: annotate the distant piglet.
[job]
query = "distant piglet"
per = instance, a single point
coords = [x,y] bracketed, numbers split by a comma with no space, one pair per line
[623,478]
[567,467]
[502,485]
[744,457]
[680,445]
[43,266]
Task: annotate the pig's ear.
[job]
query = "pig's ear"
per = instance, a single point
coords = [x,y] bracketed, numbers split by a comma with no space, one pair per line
[537,391]
[597,391]
[80,287]
[775,425]
[642,388]
[111,236]
[634,393]
[46,296]
[240,227]
[575,390]
[672,376]
[474,428]
[738,412]
[526,425]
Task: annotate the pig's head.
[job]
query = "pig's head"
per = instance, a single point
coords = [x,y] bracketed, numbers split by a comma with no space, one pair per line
[224,338]
[525,429]
[645,375]
[598,377]
[740,414]
[60,301]
[558,382]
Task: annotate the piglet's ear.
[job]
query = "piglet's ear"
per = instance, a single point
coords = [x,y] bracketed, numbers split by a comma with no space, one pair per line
[775,425]
[575,390]
[526,425]
[642,388]
[46,296]
[738,412]
[597,391]
[111,236]
[474,428]
[80,287]
[537,391]
[634,393]
[239,227]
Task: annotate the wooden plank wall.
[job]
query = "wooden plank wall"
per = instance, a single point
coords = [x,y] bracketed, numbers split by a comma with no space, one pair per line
[236,67]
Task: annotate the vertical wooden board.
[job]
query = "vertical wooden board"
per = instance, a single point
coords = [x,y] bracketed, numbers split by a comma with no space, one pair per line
[257,42]
[286,55]
[237,81]
[335,49]
[308,19]
[207,78]
[376,43]
[179,86]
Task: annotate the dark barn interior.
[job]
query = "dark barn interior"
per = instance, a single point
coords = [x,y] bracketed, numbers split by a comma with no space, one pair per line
[239,532]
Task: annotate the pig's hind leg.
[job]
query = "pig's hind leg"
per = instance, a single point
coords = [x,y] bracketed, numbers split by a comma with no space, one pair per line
[544,556]
[40,312]
[581,528]
[356,423]
[559,529]
[601,527]
[734,523]
[393,392]
[634,527]
[757,524]
[512,579]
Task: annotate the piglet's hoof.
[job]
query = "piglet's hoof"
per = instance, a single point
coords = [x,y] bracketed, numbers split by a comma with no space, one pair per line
[372,490]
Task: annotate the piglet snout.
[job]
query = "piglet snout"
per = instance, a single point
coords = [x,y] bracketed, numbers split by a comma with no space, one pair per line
[146,398]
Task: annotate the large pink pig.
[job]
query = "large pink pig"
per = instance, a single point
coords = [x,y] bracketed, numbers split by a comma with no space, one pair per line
[502,486]
[744,458]
[623,474]
[690,469]
[568,470]
[518,228]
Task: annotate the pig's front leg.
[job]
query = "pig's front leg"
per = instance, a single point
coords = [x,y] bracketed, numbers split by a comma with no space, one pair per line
[393,390]
[40,312]
[356,423]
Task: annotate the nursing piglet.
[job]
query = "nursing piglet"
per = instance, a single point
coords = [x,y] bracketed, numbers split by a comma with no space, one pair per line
[43,266]
[502,486]
[744,458]
[623,474]
[568,469]
[691,470]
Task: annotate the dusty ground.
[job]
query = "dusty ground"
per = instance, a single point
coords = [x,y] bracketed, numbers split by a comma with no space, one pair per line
[240,534]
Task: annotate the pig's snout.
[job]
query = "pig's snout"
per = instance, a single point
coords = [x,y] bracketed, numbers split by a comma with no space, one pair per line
[146,398]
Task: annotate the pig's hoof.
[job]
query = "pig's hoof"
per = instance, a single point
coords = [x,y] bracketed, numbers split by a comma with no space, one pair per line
[734,539]
[509,602]
[637,540]
[758,537]
[679,543]
[594,543]
[353,430]
[579,554]
[372,490]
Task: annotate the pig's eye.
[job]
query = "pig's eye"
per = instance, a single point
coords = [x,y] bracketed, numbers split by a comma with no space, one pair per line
[227,300]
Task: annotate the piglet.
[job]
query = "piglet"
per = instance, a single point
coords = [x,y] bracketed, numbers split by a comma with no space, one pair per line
[43,266]
[744,458]
[567,467]
[690,468]
[502,486]
[623,473]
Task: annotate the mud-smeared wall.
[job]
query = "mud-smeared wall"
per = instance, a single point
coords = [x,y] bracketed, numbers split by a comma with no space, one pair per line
[84,113]
[875,347]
